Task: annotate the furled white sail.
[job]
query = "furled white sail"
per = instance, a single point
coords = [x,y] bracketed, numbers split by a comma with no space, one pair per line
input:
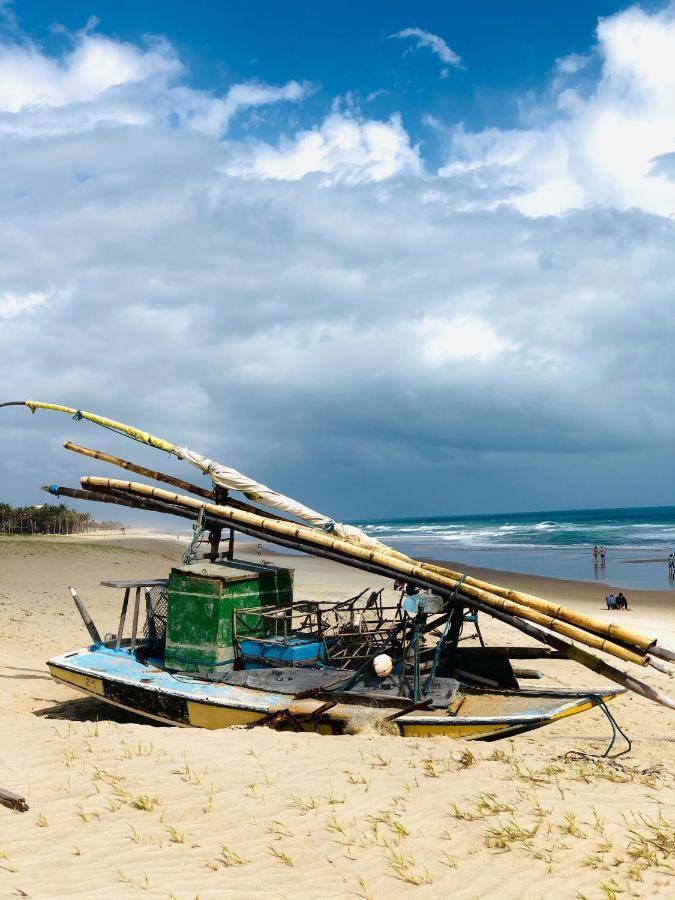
[229,478]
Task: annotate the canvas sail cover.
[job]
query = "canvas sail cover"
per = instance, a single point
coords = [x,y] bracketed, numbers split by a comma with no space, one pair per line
[229,478]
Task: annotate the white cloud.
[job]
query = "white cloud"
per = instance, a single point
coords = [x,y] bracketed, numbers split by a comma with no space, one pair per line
[597,146]
[104,82]
[344,147]
[435,43]
[203,112]
[351,327]
[30,80]
[13,305]
[572,63]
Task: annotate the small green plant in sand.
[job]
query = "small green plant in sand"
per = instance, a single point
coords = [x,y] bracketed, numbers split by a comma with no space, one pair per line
[188,774]
[142,884]
[175,837]
[377,761]
[277,827]
[356,779]
[448,859]
[363,891]
[571,826]
[133,835]
[230,858]
[145,803]
[41,821]
[466,760]
[335,799]
[7,864]
[86,816]
[304,806]
[390,821]
[403,868]
[510,833]
[280,855]
[651,841]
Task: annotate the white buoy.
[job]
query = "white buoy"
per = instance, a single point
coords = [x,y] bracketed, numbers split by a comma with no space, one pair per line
[383,665]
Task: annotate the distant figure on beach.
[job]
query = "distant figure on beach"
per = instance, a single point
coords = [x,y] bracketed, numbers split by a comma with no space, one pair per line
[595,553]
[621,601]
[610,600]
[671,564]
[260,549]
[602,556]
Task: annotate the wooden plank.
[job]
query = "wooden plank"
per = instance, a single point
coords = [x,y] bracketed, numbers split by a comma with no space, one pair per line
[134,625]
[422,704]
[13,801]
[120,630]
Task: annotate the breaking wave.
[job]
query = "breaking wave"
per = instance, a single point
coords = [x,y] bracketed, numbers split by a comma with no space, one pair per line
[632,528]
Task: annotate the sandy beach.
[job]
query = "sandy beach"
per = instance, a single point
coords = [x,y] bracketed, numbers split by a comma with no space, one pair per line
[119,807]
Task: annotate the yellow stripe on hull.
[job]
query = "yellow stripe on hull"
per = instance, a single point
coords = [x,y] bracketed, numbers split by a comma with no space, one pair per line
[197,714]
[87,683]
[452,730]
[207,715]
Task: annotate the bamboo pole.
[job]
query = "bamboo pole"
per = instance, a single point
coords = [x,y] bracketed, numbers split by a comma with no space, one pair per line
[558,613]
[568,650]
[168,479]
[140,470]
[399,566]
[610,630]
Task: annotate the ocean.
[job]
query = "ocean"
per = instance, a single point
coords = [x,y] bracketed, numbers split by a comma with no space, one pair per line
[555,543]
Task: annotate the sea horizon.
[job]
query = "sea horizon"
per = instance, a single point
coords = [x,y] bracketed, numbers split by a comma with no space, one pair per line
[552,543]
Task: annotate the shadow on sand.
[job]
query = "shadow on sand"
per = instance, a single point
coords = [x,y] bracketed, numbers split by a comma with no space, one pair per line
[89,709]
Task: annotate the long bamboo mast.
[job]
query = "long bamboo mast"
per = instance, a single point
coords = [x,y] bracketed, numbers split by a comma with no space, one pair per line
[394,564]
[140,470]
[536,609]
[301,541]
[611,630]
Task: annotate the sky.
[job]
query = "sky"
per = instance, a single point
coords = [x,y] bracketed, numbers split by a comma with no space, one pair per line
[394,259]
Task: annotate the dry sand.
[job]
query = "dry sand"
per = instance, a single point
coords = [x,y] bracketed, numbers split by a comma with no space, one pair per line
[121,808]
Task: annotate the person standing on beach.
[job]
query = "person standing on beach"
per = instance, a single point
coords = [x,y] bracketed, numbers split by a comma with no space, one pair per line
[595,554]
[671,564]
[602,556]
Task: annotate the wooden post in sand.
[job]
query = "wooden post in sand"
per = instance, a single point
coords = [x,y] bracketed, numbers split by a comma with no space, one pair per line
[13,801]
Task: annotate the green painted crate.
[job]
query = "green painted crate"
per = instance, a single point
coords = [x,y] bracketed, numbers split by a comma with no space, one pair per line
[202,598]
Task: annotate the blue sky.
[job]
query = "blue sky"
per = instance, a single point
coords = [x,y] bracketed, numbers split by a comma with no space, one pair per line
[509,48]
[393,258]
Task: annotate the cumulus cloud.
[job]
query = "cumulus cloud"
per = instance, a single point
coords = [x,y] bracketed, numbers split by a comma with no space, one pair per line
[321,310]
[104,82]
[343,147]
[434,43]
[593,146]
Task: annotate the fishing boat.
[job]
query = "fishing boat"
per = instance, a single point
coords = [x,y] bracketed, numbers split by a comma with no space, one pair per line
[204,661]
[222,641]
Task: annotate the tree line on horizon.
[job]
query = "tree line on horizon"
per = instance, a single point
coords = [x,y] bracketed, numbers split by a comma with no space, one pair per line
[48,518]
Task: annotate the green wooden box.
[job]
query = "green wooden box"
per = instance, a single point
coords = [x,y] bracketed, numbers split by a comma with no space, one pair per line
[202,598]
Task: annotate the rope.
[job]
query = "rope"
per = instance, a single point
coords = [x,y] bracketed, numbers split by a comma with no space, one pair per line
[616,729]
[190,554]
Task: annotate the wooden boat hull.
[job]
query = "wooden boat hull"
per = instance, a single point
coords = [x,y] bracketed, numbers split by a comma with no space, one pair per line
[118,678]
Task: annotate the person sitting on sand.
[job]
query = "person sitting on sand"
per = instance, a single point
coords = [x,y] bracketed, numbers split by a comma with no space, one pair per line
[610,599]
[621,601]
